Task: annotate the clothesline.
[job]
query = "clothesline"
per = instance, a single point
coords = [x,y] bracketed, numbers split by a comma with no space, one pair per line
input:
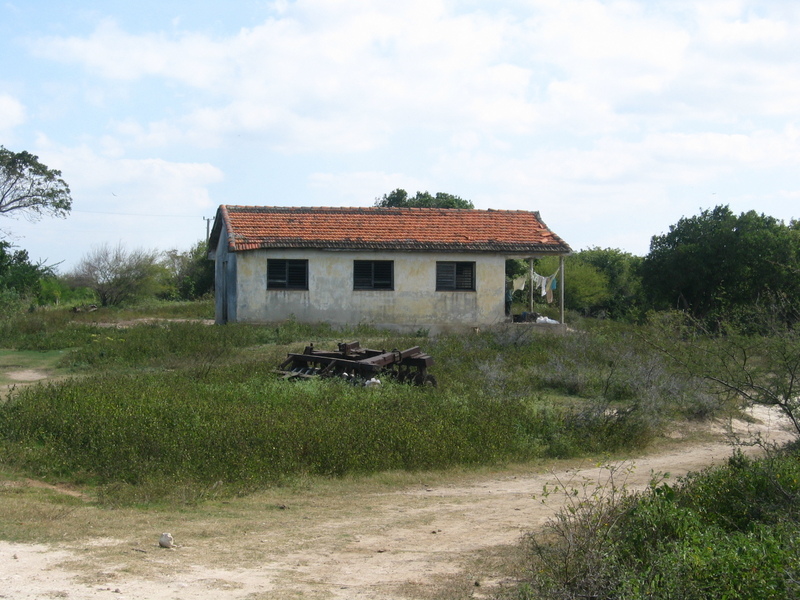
[545,284]
[551,276]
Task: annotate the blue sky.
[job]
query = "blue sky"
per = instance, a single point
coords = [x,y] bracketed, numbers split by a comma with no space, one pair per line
[612,118]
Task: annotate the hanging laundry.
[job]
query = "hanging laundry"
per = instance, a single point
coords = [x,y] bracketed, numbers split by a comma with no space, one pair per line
[552,286]
[545,284]
[519,283]
[536,281]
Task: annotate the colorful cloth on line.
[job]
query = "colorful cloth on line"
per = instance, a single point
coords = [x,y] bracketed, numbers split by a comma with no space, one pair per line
[545,284]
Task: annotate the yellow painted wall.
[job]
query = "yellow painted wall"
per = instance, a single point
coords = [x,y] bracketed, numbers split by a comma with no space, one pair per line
[413,304]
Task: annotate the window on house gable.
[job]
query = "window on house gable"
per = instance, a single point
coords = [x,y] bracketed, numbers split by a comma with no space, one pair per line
[373,275]
[455,276]
[285,274]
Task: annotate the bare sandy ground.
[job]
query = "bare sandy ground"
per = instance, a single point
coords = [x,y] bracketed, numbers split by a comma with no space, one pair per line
[26,375]
[386,544]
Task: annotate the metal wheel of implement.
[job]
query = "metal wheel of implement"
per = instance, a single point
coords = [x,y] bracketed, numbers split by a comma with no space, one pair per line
[426,380]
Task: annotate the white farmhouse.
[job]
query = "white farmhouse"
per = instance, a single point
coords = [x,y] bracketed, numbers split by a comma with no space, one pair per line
[403,269]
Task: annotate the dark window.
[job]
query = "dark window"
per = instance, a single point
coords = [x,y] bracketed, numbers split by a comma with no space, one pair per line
[284,274]
[452,276]
[373,275]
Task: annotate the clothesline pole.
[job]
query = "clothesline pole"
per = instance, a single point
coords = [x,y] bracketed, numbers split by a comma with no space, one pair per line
[561,285]
[530,279]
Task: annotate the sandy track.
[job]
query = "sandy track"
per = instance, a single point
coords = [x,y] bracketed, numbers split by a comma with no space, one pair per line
[396,544]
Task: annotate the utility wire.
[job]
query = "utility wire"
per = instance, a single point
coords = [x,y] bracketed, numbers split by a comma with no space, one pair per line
[93,212]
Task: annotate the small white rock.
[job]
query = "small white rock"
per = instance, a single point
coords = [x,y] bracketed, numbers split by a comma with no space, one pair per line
[166,541]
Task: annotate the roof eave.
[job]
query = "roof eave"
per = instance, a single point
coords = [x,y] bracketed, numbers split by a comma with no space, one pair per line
[240,244]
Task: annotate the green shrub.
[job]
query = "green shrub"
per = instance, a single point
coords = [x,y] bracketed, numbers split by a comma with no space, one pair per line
[727,532]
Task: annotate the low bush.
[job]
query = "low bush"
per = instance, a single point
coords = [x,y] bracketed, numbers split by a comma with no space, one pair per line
[727,532]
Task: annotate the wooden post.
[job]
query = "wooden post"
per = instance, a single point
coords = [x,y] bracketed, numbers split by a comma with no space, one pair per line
[561,285]
[530,282]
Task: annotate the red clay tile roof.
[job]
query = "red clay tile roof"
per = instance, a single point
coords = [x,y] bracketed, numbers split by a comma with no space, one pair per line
[254,227]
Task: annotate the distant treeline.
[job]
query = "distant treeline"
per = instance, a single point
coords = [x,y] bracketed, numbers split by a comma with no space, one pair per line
[715,265]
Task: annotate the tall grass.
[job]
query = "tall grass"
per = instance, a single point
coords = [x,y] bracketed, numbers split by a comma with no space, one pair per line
[45,330]
[238,425]
[199,403]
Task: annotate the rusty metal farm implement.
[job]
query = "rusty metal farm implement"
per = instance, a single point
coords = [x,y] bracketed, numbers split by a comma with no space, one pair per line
[361,366]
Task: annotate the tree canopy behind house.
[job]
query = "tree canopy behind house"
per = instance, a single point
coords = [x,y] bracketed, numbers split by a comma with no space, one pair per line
[625,299]
[190,273]
[587,287]
[718,261]
[399,198]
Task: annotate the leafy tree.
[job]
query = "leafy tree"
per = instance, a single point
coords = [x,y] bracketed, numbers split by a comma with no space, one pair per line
[20,279]
[625,298]
[118,275]
[516,267]
[399,199]
[191,274]
[599,282]
[58,291]
[18,273]
[716,261]
[586,286]
[31,188]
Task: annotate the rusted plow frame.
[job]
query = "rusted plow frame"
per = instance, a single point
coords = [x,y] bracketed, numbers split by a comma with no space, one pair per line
[359,365]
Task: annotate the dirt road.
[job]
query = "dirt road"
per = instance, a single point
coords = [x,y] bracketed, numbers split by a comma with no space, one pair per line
[439,538]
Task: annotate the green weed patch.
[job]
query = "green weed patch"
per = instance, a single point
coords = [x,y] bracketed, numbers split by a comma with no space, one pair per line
[184,401]
[255,430]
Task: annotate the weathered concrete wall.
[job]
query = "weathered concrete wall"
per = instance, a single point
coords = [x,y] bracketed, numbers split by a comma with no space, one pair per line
[225,292]
[413,304]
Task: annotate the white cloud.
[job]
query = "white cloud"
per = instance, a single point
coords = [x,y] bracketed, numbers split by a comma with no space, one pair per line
[293,78]
[117,55]
[141,203]
[598,108]
[325,75]
[12,113]
[616,49]
[749,32]
[759,149]
[321,74]
[364,186]
[113,184]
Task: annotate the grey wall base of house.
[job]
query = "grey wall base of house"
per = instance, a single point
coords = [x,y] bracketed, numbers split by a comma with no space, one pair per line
[456,329]
[399,328]
[413,302]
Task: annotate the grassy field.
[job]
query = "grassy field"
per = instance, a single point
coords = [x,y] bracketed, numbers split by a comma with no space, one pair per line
[155,409]
[156,396]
